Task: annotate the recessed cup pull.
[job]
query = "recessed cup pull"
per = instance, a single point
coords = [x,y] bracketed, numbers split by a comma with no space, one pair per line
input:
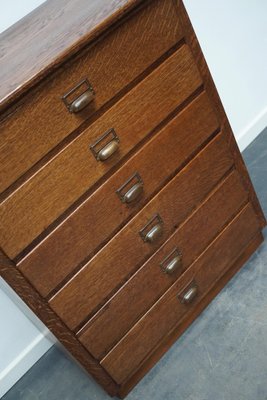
[131,190]
[172,263]
[106,145]
[79,97]
[153,230]
[189,294]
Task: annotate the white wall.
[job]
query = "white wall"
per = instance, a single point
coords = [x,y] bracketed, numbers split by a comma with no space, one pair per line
[233,36]
[13,10]
[23,338]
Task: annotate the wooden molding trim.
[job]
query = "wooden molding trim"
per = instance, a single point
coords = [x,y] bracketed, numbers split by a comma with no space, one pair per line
[52,33]
[23,288]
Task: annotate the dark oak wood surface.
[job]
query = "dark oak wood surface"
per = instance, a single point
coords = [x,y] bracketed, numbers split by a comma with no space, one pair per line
[126,251]
[23,288]
[192,42]
[100,285]
[185,133]
[169,339]
[128,354]
[74,170]
[123,310]
[40,121]
[50,34]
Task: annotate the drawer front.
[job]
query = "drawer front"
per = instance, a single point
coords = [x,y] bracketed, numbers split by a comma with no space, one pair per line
[117,316]
[41,120]
[126,251]
[75,169]
[125,358]
[164,153]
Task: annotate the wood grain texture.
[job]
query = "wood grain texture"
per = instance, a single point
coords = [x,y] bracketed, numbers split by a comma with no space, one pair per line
[169,339]
[186,133]
[93,267]
[52,33]
[193,43]
[14,278]
[40,120]
[123,310]
[126,251]
[74,170]
[123,360]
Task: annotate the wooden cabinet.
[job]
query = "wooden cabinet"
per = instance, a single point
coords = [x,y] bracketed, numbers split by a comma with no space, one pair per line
[125,204]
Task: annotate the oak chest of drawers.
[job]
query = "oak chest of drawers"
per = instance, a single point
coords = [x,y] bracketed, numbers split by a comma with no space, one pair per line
[125,204]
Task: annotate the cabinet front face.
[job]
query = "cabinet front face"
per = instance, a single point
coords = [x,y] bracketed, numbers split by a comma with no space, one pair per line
[125,204]
[44,117]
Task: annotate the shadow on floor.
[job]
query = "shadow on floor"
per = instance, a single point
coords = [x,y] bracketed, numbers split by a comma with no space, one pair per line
[222,356]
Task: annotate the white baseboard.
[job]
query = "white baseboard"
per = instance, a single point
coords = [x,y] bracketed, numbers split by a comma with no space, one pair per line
[31,353]
[24,361]
[252,130]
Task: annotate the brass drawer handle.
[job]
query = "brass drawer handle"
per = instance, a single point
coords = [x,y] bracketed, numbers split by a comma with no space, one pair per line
[131,190]
[133,193]
[82,101]
[152,230]
[172,263]
[189,294]
[108,150]
[79,97]
[154,233]
[106,145]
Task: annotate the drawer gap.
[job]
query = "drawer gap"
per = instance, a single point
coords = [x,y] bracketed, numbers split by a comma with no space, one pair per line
[178,329]
[94,187]
[83,325]
[200,264]
[86,259]
[73,135]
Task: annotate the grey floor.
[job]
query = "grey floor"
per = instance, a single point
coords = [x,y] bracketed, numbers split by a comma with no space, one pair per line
[222,356]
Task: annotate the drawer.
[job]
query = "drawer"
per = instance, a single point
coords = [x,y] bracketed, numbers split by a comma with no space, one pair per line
[41,120]
[117,316]
[168,312]
[126,251]
[104,211]
[74,170]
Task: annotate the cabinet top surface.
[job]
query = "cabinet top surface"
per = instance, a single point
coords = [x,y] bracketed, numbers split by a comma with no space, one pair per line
[54,31]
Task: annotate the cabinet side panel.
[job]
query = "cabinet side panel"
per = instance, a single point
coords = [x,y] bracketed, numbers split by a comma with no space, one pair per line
[209,85]
[22,287]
